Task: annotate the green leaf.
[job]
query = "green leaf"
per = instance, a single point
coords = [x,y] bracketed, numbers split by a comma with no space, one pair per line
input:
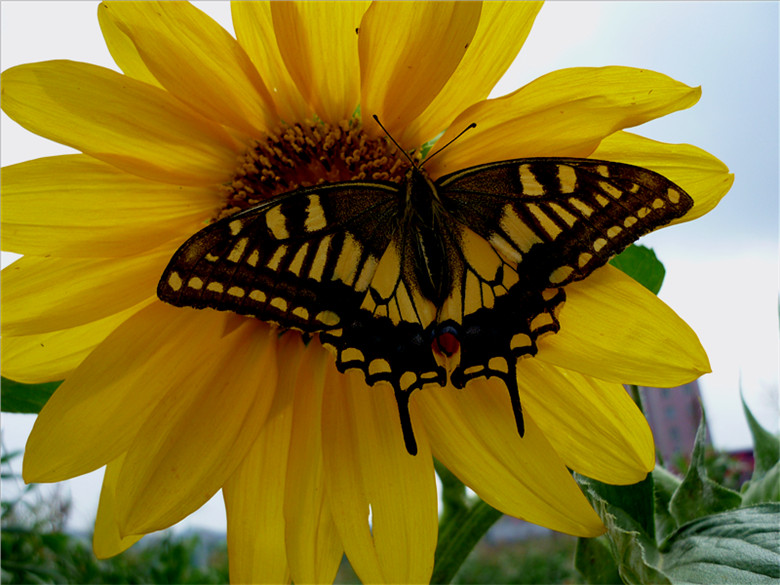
[636,500]
[641,264]
[764,489]
[25,398]
[459,536]
[698,495]
[766,446]
[739,546]
[665,484]
[594,561]
[627,512]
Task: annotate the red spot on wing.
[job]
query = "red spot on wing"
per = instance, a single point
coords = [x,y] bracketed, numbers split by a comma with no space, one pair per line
[446,343]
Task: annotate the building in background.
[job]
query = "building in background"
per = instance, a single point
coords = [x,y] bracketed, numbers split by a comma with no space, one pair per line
[674,415]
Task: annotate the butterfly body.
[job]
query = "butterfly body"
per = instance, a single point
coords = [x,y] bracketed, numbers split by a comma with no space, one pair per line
[425,282]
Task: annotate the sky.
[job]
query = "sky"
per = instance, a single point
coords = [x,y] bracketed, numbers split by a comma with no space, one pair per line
[722,269]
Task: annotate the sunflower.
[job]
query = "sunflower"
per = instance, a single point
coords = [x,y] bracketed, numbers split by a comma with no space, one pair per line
[179,403]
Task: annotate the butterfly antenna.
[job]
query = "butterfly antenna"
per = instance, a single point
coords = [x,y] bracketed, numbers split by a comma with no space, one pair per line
[398,146]
[461,133]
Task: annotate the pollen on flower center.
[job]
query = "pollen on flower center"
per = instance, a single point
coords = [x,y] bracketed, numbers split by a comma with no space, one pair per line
[306,154]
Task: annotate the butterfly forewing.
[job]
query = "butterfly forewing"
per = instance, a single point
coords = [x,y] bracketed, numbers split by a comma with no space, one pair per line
[559,219]
[298,260]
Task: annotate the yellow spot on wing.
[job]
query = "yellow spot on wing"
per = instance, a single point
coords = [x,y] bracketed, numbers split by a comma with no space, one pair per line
[505,249]
[379,366]
[518,231]
[563,214]
[599,244]
[257,295]
[498,364]
[387,273]
[315,215]
[215,287]
[407,380]
[238,250]
[541,320]
[236,291]
[352,354]
[560,274]
[614,230]
[520,340]
[366,273]
[584,259]
[567,177]
[673,195]
[297,262]
[529,183]
[328,318]
[253,258]
[347,262]
[195,283]
[301,313]
[581,206]
[547,224]
[279,303]
[235,226]
[320,258]
[610,189]
[277,223]
[280,252]
[174,281]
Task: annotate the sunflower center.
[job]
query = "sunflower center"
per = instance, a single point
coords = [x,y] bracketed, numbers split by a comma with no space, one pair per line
[306,154]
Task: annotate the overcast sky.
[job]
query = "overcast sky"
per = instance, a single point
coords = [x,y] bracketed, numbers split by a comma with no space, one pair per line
[722,270]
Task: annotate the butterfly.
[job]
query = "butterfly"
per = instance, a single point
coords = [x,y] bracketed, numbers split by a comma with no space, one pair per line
[425,282]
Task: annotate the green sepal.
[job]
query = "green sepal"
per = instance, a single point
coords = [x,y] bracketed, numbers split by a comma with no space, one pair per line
[641,264]
[25,398]
[665,484]
[593,559]
[764,486]
[698,495]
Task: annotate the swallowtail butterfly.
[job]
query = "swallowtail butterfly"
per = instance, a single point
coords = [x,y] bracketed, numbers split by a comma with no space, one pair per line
[425,282]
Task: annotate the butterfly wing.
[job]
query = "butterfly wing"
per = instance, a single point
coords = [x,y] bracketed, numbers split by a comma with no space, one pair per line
[302,260]
[527,228]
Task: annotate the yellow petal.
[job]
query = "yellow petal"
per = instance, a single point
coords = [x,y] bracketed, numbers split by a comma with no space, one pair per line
[254,28]
[197,60]
[366,464]
[593,425]
[319,44]
[40,295]
[74,205]
[200,431]
[134,126]
[473,433]
[255,493]
[503,28]
[123,51]
[314,549]
[106,541]
[53,356]
[404,66]
[116,388]
[564,113]
[705,178]
[615,329]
